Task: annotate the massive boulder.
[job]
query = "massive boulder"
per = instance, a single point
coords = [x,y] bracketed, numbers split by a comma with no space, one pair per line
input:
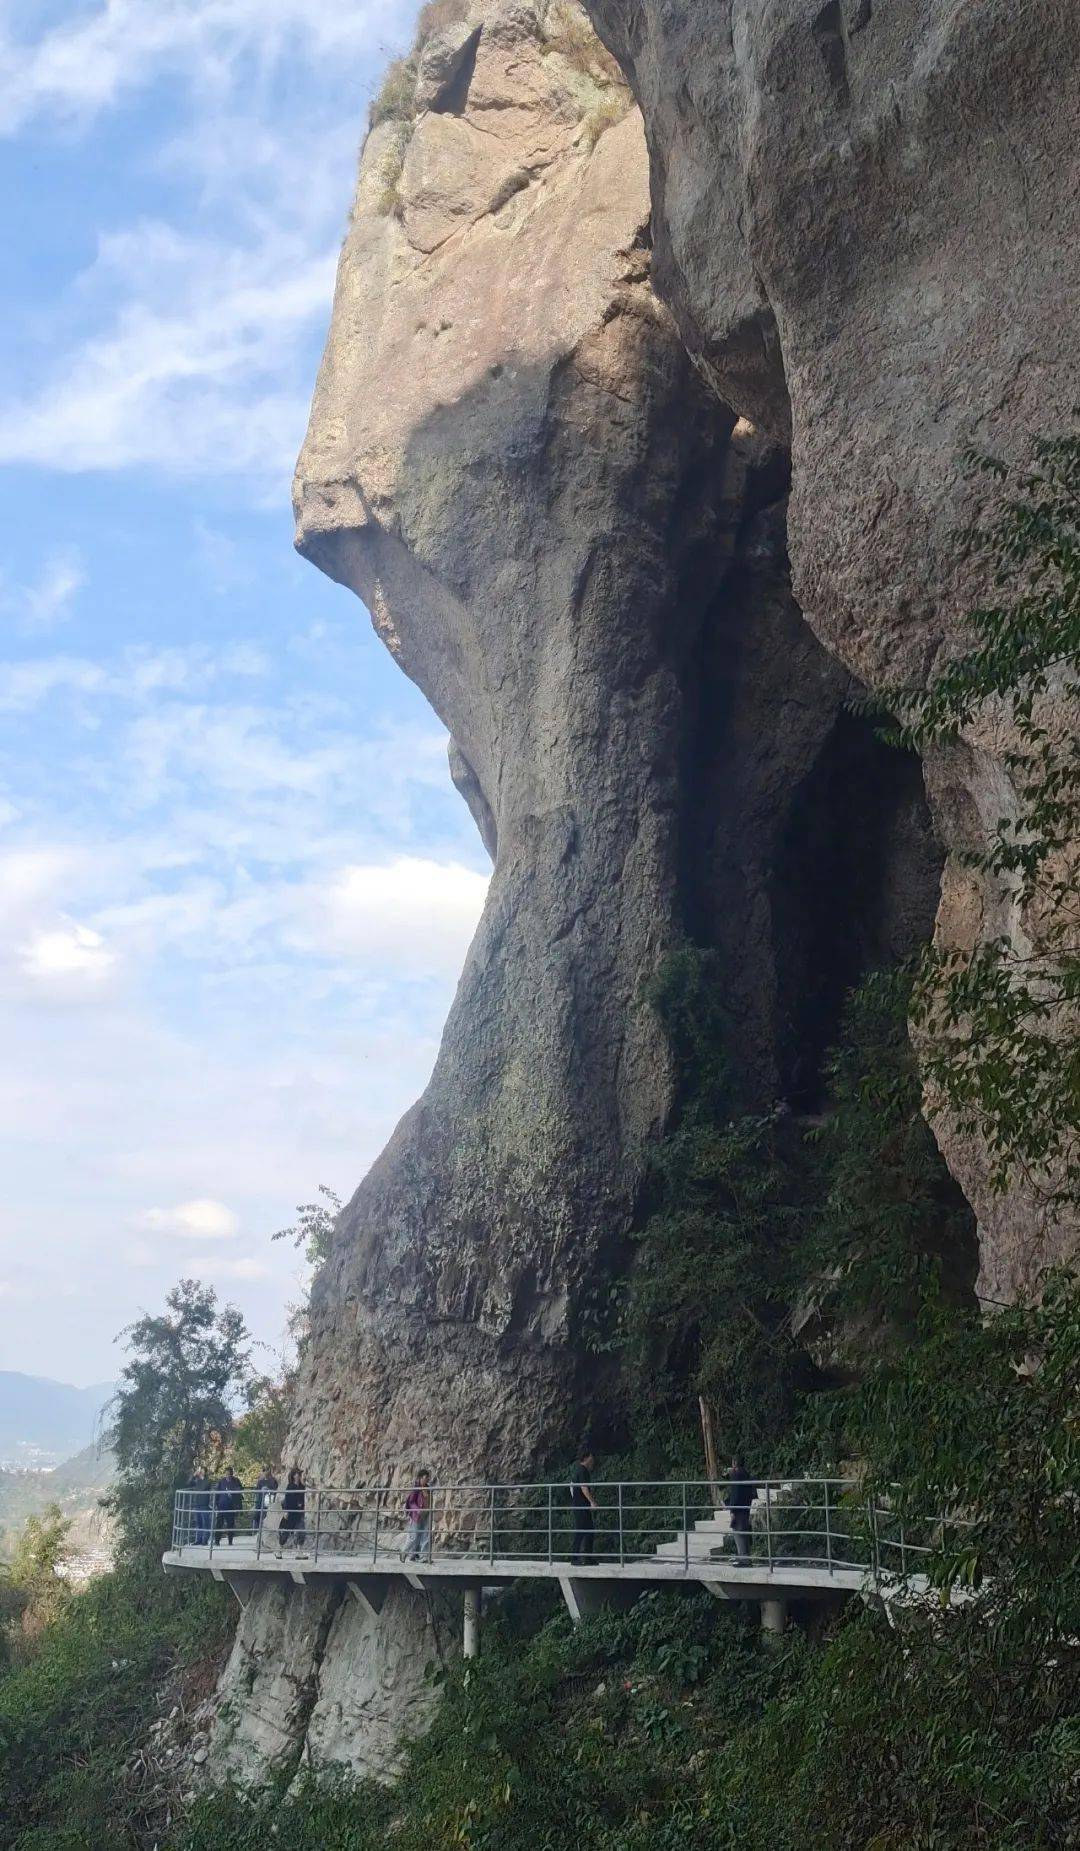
[578,553]
[866,222]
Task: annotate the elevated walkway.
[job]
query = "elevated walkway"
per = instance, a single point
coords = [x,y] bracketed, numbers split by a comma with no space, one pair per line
[809,1541]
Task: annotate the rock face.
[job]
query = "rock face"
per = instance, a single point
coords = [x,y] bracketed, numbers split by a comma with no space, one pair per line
[579,555]
[867,225]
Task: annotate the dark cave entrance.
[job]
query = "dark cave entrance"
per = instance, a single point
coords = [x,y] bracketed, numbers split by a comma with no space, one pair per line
[853,886]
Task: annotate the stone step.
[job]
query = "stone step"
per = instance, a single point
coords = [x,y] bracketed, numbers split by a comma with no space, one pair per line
[699,1550]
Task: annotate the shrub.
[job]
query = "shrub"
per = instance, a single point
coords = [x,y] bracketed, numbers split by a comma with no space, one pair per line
[395,101]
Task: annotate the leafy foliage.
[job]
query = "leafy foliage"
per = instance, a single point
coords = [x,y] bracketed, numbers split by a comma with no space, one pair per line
[998,1023]
[70,1714]
[313,1230]
[259,1436]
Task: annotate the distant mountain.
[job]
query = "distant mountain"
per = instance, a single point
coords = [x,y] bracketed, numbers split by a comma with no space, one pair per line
[78,1487]
[43,1421]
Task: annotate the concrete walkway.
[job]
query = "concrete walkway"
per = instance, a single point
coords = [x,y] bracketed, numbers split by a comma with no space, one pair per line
[810,1541]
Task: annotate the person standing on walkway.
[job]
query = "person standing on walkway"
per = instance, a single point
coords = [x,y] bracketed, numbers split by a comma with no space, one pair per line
[228,1499]
[418,1518]
[265,1487]
[199,1503]
[294,1505]
[741,1494]
[583,1505]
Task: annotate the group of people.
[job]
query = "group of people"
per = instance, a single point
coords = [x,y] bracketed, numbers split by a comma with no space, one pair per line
[216,1507]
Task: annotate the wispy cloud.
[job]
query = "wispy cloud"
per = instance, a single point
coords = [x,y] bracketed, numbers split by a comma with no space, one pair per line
[137,674]
[48,599]
[192,376]
[76,69]
[179,349]
[204,1219]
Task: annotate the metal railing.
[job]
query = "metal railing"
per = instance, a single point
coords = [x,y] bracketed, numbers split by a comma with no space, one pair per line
[820,1523]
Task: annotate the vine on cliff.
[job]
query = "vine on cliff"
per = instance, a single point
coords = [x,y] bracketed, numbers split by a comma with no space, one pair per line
[998,1022]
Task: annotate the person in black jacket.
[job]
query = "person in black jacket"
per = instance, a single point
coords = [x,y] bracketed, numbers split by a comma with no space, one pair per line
[293,1505]
[741,1494]
[265,1486]
[228,1499]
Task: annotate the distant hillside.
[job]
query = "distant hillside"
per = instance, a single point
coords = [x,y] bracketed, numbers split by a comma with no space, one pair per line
[52,1419]
[77,1486]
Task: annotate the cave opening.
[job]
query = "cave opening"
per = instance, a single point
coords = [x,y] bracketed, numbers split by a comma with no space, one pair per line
[853,887]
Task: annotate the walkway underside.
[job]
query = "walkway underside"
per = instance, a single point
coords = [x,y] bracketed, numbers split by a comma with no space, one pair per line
[585,1588]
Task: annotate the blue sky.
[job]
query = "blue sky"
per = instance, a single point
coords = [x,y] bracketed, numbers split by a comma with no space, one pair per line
[236,886]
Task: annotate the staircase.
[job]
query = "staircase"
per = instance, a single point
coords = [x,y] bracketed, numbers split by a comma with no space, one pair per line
[699,1544]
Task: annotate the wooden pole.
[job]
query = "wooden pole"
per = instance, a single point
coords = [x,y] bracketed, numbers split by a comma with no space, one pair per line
[708,1435]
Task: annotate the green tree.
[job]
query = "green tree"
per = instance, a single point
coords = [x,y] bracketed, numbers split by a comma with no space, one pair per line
[175,1404]
[35,1592]
[41,1550]
[261,1432]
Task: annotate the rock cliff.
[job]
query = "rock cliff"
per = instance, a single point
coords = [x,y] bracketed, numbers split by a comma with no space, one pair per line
[866,221]
[568,379]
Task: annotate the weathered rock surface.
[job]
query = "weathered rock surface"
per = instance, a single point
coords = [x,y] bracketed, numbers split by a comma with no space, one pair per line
[867,224]
[579,556]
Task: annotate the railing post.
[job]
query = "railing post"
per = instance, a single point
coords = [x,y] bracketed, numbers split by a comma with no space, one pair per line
[260,1512]
[685,1532]
[903,1551]
[491,1526]
[318,1522]
[828,1532]
[768,1525]
[375,1539]
[622,1548]
[551,1517]
[875,1543]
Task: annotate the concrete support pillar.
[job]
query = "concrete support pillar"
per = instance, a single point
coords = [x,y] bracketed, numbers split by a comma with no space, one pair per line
[585,1597]
[471,1642]
[371,1592]
[773,1618]
[239,1584]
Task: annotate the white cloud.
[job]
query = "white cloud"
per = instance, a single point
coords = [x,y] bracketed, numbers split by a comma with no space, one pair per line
[412,914]
[69,950]
[27,684]
[74,70]
[213,1266]
[191,351]
[136,674]
[203,1219]
[189,376]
